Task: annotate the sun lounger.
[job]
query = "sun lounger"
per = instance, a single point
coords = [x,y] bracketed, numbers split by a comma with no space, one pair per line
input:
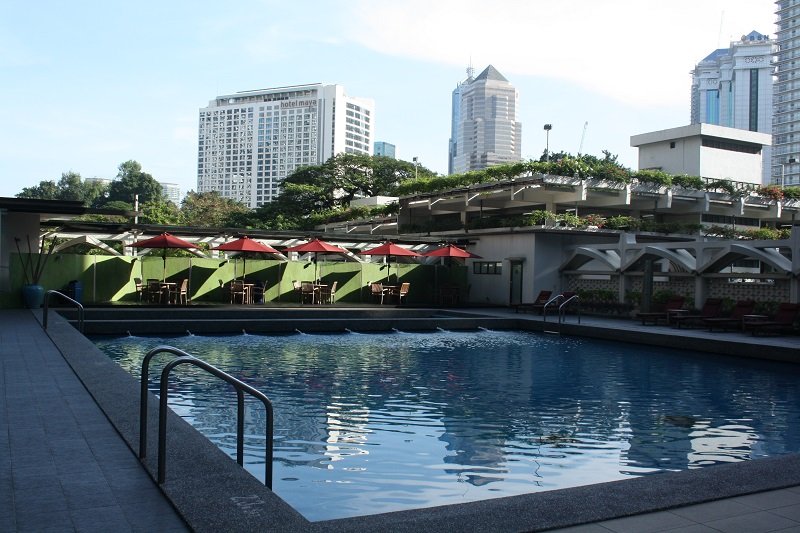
[711,309]
[742,308]
[783,321]
[537,305]
[674,303]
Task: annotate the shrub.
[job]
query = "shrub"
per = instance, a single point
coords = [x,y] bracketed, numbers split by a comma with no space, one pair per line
[539,217]
[771,191]
[656,177]
[621,222]
[792,193]
[688,182]
[593,220]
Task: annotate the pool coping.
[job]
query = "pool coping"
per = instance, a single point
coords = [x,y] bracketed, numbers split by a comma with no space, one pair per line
[212,492]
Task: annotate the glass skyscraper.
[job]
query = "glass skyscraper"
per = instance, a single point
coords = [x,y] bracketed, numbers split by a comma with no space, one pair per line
[484,129]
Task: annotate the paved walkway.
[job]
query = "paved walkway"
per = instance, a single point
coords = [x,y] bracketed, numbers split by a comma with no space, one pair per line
[775,510]
[63,466]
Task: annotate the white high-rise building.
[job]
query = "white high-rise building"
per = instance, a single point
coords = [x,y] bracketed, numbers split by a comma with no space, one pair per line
[733,87]
[488,132]
[786,123]
[250,141]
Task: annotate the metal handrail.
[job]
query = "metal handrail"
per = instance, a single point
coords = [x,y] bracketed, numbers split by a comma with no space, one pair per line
[46,307]
[554,299]
[241,388]
[562,309]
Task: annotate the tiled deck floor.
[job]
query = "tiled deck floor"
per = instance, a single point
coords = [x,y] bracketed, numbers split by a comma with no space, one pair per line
[776,510]
[63,467]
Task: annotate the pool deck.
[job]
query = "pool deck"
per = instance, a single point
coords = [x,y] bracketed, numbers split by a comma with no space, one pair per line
[69,423]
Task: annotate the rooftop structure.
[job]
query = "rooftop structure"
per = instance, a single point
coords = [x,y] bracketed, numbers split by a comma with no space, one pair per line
[704,150]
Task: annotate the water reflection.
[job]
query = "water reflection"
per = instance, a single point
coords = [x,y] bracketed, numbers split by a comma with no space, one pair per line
[412,420]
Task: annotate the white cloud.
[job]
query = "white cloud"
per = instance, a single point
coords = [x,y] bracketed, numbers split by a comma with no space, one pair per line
[639,52]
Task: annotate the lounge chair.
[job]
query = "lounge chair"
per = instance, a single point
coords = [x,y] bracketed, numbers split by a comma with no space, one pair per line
[537,305]
[783,321]
[742,308]
[667,310]
[712,308]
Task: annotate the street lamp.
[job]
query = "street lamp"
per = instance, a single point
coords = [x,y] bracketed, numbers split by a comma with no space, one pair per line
[547,128]
[416,166]
[783,170]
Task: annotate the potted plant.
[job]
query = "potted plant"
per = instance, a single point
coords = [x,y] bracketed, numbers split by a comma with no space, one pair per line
[32,291]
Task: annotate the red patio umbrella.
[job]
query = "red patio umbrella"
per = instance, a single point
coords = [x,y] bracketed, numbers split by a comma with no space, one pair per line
[390,249]
[246,244]
[316,246]
[451,250]
[163,241]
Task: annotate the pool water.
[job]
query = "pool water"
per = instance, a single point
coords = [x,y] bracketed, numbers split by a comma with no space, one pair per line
[368,423]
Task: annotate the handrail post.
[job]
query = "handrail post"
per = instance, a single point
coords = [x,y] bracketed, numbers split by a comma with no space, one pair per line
[563,311]
[240,387]
[46,307]
[551,300]
[144,383]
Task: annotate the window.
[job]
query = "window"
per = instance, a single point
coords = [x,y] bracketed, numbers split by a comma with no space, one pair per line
[487,267]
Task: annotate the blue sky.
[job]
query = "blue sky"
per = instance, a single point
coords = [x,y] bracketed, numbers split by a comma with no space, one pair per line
[87,85]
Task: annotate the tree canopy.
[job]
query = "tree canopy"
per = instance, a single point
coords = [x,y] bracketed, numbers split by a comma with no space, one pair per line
[69,187]
[131,180]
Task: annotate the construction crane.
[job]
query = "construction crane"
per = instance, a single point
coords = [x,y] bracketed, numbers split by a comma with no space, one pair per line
[583,137]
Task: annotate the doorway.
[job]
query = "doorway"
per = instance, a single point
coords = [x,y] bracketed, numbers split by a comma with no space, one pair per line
[515,282]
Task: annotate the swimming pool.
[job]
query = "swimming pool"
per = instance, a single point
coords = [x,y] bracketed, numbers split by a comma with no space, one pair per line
[375,423]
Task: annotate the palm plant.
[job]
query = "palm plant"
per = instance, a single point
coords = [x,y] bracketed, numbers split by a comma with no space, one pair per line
[33,269]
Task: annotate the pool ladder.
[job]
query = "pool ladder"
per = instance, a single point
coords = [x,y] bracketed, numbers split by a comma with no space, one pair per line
[184,358]
[563,303]
[46,308]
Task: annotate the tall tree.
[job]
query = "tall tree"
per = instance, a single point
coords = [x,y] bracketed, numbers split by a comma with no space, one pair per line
[210,209]
[131,180]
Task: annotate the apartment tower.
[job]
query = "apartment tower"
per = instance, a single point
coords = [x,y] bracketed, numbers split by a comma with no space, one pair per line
[250,141]
[786,123]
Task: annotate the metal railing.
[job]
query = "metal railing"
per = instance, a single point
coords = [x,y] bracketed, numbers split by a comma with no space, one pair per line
[554,300]
[46,308]
[241,388]
[562,309]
